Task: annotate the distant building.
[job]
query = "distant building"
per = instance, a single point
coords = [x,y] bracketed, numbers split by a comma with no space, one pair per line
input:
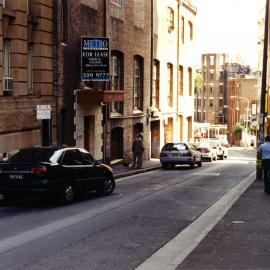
[212,97]
[243,104]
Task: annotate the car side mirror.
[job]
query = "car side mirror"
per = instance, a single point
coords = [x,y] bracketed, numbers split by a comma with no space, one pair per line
[96,162]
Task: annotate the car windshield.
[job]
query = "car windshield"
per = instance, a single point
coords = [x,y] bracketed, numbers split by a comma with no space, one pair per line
[175,147]
[32,156]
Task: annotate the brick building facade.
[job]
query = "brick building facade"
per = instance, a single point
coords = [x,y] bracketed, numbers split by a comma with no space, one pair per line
[104,117]
[26,71]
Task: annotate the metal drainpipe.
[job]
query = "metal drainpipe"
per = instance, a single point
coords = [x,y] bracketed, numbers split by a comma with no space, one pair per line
[151,52]
[177,66]
[261,132]
[56,71]
[105,108]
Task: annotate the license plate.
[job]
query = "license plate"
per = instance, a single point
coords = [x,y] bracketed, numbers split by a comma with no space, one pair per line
[16,176]
[175,154]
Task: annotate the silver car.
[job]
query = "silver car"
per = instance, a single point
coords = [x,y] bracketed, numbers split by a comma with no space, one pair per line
[180,153]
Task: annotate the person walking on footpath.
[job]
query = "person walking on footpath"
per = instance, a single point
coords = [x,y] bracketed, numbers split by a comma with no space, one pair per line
[264,150]
[137,150]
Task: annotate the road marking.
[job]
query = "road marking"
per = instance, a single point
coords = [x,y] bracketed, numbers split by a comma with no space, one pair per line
[42,231]
[172,254]
[206,174]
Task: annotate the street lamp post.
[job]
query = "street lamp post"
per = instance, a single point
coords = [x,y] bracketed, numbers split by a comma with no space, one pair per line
[247,100]
[227,107]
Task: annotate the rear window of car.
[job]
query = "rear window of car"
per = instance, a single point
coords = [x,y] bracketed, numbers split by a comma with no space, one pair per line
[32,156]
[204,144]
[174,147]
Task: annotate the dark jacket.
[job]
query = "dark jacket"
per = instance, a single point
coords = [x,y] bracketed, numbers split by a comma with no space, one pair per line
[137,146]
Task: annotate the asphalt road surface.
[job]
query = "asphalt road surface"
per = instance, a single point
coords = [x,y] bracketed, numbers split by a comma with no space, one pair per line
[122,231]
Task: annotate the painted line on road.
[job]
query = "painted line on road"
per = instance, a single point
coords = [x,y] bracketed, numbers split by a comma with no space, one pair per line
[172,254]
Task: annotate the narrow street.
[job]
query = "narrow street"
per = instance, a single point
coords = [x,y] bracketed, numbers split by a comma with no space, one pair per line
[121,231]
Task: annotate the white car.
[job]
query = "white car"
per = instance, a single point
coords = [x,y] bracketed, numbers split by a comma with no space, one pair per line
[222,150]
[209,152]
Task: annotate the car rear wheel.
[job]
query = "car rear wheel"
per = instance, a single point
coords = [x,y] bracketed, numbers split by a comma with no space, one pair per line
[8,197]
[68,194]
[200,163]
[192,164]
[107,187]
[165,166]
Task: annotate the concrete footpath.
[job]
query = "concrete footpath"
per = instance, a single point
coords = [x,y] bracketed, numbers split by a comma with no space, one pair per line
[240,240]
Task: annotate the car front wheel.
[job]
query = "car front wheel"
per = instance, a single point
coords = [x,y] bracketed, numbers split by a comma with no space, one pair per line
[107,187]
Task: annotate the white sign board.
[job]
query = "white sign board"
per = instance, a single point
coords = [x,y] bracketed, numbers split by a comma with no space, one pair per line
[43,112]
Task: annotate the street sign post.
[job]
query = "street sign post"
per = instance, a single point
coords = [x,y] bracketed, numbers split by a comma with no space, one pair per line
[44,114]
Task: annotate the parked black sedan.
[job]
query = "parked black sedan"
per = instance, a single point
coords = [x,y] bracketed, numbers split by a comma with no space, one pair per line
[60,171]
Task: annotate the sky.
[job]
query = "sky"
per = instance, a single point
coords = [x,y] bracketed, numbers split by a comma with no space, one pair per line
[227,27]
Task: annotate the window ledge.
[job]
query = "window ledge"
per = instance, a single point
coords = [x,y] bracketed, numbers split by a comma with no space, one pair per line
[116,115]
[137,112]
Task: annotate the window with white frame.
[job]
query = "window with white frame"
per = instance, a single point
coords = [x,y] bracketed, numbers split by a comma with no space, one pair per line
[117,79]
[138,83]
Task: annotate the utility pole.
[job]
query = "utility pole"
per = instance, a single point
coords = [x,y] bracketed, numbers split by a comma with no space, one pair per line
[263,92]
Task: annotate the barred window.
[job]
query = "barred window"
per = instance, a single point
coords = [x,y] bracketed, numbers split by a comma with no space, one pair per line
[118,2]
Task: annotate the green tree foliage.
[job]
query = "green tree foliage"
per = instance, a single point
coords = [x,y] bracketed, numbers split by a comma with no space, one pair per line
[198,83]
[238,127]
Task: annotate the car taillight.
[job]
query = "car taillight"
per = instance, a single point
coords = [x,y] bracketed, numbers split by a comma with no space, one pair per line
[39,170]
[207,150]
[187,154]
[163,154]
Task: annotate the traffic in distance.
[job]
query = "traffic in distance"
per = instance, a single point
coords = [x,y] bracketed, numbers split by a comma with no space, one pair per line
[180,153]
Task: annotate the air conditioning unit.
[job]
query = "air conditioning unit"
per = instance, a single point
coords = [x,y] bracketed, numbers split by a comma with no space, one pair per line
[8,86]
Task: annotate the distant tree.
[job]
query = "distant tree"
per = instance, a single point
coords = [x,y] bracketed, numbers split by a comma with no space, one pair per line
[198,83]
[237,129]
